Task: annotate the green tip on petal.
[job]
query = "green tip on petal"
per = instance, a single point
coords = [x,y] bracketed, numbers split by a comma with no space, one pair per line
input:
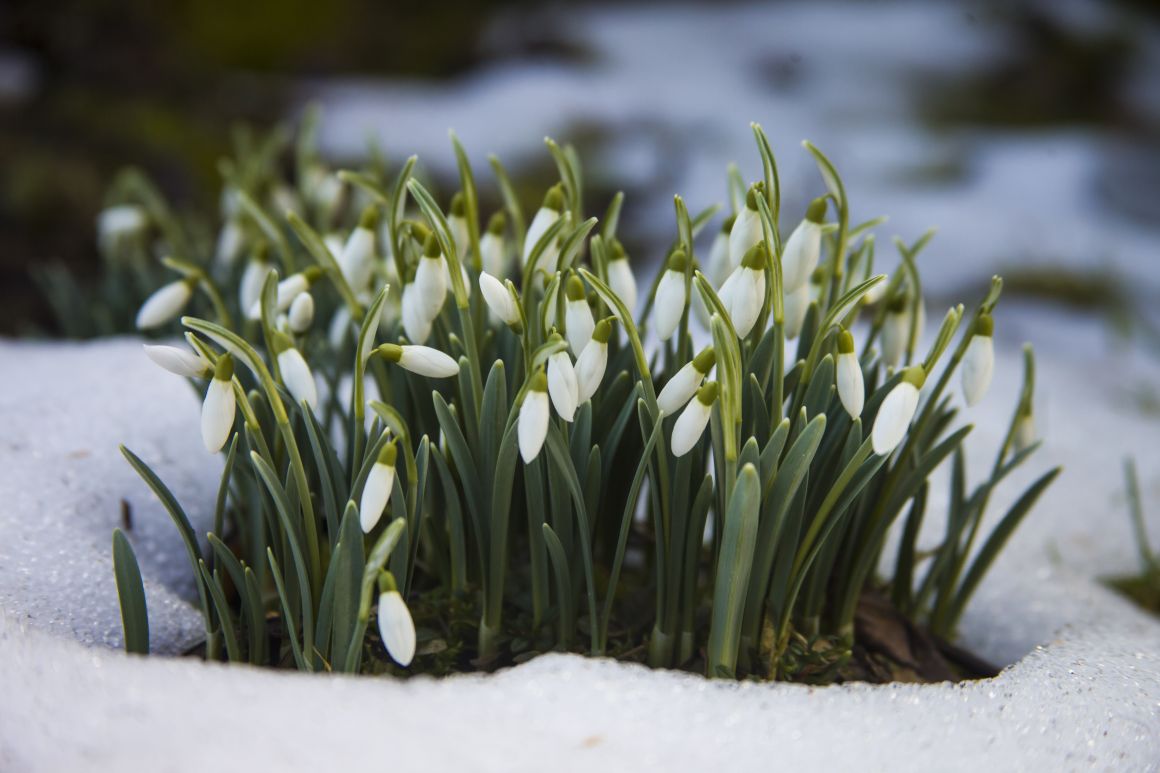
[387,582]
[845,342]
[539,382]
[419,231]
[727,226]
[755,190]
[431,246]
[281,342]
[224,370]
[602,332]
[816,212]
[705,361]
[898,304]
[458,207]
[985,325]
[617,250]
[915,375]
[497,224]
[554,199]
[708,393]
[312,274]
[678,261]
[574,289]
[369,218]
[262,252]
[388,455]
[818,275]
[755,258]
[391,352]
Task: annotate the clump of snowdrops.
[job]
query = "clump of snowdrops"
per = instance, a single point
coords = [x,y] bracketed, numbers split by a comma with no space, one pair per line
[454,439]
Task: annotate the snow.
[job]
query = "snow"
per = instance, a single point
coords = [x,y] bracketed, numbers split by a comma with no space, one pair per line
[1084,690]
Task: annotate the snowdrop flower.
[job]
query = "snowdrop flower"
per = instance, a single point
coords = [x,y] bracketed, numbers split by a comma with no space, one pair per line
[217,411]
[180,362]
[620,277]
[254,276]
[593,360]
[430,279]
[396,627]
[671,297]
[422,360]
[746,231]
[796,305]
[876,293]
[288,289]
[563,386]
[416,323]
[491,246]
[897,410]
[377,489]
[165,304]
[356,260]
[979,360]
[690,425]
[685,383]
[578,321]
[230,242]
[799,258]
[457,222]
[718,268]
[533,421]
[296,373]
[546,216]
[895,330]
[501,300]
[324,189]
[851,387]
[1024,431]
[747,294]
[120,223]
[301,313]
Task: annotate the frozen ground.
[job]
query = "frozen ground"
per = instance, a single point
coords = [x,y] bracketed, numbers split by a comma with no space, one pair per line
[1084,690]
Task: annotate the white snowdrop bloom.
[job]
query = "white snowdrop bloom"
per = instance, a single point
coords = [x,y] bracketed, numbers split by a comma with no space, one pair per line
[1024,432]
[334,244]
[545,217]
[876,293]
[217,411]
[339,326]
[533,421]
[462,272]
[231,239]
[120,223]
[621,279]
[301,314]
[979,360]
[285,199]
[492,248]
[296,374]
[895,330]
[431,279]
[851,386]
[717,267]
[562,385]
[288,289]
[578,321]
[416,323]
[422,360]
[499,299]
[376,491]
[253,277]
[323,188]
[799,257]
[796,305]
[181,362]
[748,292]
[690,425]
[457,222]
[685,382]
[356,259]
[897,410]
[746,231]
[165,304]
[671,297]
[593,361]
[396,627]
[725,291]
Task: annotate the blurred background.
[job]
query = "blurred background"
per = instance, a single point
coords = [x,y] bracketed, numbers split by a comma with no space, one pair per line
[1027,132]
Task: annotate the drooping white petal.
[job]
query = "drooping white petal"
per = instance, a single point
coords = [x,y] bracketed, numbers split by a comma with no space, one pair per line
[217,414]
[562,385]
[301,314]
[1024,432]
[894,417]
[578,324]
[460,235]
[851,386]
[725,291]
[416,323]
[428,362]
[491,247]
[164,305]
[746,299]
[590,367]
[120,222]
[680,389]
[533,424]
[431,285]
[796,305]
[499,301]
[718,264]
[746,232]
[978,367]
[375,495]
[288,289]
[669,304]
[340,326]
[622,282]
[181,362]
[297,377]
[689,426]
[800,256]
[895,330]
[397,628]
[250,287]
[357,259]
[544,219]
[229,243]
